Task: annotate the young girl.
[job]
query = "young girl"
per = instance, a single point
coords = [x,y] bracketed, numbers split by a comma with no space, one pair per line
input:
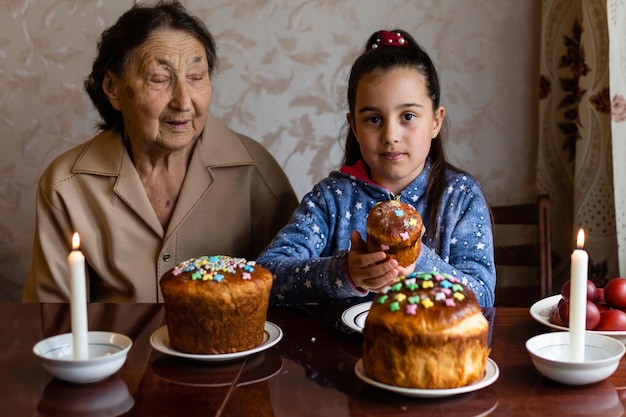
[393,150]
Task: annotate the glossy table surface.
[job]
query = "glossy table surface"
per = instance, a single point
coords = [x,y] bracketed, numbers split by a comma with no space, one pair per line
[309,372]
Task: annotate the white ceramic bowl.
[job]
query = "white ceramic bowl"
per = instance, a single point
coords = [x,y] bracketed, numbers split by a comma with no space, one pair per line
[107,353]
[549,353]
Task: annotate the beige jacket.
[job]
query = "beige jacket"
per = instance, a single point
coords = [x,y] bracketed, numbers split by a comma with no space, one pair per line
[233,201]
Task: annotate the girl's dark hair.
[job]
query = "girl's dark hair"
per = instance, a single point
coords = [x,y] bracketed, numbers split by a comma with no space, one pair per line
[379,60]
[118,43]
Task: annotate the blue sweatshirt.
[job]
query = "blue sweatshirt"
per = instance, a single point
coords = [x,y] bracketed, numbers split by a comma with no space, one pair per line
[308,256]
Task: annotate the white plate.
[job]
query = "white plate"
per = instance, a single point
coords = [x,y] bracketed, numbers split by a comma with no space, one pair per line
[354,317]
[160,340]
[543,309]
[491,375]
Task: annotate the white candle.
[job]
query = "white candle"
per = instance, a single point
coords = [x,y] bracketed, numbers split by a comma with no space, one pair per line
[78,300]
[578,300]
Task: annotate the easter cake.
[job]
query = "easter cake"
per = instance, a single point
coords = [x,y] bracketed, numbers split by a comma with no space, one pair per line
[426,331]
[395,228]
[216,304]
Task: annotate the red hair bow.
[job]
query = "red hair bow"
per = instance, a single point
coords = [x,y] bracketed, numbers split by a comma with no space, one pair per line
[386,38]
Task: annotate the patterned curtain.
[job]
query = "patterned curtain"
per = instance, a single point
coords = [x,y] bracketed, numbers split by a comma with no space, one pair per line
[582,138]
[617,78]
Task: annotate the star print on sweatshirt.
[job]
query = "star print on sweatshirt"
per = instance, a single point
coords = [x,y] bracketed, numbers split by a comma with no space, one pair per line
[308,256]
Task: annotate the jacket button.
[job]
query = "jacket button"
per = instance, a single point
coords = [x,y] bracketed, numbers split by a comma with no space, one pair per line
[166,257]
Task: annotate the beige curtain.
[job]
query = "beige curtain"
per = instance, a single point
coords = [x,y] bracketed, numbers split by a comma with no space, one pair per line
[582,115]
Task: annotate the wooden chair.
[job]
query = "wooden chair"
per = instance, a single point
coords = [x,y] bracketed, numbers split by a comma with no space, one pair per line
[534,259]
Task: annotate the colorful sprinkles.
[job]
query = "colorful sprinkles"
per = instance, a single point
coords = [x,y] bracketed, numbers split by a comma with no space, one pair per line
[408,218]
[215,268]
[443,289]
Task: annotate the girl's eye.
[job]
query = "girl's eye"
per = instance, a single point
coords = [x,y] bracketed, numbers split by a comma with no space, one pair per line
[373,119]
[408,116]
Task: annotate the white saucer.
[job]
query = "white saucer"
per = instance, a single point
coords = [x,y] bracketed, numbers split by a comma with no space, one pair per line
[354,317]
[160,340]
[543,309]
[491,375]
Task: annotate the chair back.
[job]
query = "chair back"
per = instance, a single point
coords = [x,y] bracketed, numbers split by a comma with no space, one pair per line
[523,252]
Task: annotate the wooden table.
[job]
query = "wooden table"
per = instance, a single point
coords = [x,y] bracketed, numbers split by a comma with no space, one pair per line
[310,372]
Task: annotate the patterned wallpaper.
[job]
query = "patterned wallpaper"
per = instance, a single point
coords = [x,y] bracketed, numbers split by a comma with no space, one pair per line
[282,79]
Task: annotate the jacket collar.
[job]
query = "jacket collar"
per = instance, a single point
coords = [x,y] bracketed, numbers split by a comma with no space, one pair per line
[218,146]
[358,171]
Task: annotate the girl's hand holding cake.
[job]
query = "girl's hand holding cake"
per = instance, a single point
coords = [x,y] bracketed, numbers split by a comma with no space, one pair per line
[370,271]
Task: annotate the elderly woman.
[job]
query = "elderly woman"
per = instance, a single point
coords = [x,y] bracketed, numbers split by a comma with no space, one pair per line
[164,180]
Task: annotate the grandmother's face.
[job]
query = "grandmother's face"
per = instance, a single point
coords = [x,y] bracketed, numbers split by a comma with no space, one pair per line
[165,92]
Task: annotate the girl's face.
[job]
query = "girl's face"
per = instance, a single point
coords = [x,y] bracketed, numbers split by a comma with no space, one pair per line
[165,92]
[394,123]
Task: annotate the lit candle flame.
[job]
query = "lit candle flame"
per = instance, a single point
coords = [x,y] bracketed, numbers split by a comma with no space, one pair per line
[580,239]
[75,241]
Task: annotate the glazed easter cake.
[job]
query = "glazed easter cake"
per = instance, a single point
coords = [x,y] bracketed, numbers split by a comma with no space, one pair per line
[216,304]
[395,228]
[426,331]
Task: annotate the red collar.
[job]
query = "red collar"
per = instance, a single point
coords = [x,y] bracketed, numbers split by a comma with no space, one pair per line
[359,171]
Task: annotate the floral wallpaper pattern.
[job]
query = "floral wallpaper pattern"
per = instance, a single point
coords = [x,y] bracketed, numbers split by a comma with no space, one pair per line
[282,79]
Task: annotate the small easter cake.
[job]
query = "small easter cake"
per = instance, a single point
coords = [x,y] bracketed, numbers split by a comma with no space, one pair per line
[426,331]
[216,304]
[395,228]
